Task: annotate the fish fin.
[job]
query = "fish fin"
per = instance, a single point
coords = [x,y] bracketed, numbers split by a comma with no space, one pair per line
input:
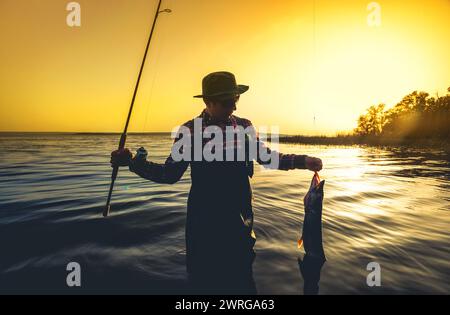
[300,243]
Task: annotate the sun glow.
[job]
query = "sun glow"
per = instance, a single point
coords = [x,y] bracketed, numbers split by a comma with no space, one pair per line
[313,66]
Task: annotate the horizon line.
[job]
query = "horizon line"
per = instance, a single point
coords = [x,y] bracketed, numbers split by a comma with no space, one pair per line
[142,133]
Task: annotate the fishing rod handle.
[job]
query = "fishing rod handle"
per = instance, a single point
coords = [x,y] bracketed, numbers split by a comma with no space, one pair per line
[123,139]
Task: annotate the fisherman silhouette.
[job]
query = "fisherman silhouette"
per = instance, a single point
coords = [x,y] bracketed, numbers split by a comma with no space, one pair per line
[219,226]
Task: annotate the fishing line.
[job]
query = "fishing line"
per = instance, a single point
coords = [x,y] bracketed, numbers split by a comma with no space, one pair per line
[157,67]
[315,54]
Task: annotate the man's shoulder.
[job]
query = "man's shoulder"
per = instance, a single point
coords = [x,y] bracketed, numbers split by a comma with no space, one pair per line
[244,122]
[189,124]
[238,120]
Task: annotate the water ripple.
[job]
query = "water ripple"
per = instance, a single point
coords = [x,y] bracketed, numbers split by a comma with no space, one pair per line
[385,205]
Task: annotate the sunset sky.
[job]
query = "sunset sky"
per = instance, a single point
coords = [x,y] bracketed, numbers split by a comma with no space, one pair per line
[301,59]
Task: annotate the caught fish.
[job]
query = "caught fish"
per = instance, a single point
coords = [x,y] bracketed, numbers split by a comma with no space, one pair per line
[311,237]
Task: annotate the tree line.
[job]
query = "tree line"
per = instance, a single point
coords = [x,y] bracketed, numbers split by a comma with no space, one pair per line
[417,116]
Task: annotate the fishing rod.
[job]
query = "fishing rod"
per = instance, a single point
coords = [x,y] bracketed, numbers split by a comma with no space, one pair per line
[123,137]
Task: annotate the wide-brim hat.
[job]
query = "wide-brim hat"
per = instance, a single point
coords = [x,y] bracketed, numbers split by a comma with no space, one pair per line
[221,85]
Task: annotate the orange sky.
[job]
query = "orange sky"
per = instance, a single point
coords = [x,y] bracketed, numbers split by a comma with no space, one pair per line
[331,65]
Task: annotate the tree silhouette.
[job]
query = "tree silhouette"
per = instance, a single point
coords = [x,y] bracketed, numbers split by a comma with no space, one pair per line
[372,122]
[417,115]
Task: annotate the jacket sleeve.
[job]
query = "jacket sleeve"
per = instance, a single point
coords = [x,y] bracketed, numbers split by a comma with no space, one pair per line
[168,173]
[277,160]
[273,159]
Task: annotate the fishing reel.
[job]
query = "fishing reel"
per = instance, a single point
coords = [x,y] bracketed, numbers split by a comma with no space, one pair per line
[141,154]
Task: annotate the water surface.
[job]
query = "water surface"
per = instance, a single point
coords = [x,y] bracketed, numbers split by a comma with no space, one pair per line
[389,206]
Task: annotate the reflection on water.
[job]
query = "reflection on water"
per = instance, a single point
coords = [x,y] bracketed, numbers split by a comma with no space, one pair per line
[386,206]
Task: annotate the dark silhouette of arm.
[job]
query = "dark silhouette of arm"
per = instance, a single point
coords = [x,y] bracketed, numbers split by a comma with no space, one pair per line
[168,173]
[286,162]
[265,156]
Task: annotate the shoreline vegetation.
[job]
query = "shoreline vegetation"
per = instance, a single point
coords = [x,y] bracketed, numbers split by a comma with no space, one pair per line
[351,140]
[418,120]
[339,140]
[345,139]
